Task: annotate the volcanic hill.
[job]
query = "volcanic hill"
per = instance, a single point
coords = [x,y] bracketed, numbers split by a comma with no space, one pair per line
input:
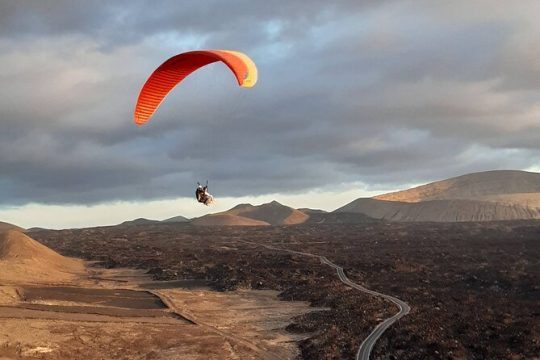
[272,213]
[485,196]
[6,226]
[176,219]
[139,221]
[24,260]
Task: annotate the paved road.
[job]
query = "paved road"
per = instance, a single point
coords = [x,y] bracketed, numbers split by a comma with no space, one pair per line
[366,346]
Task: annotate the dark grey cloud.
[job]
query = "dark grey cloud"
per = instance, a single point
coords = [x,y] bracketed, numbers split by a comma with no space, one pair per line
[383,93]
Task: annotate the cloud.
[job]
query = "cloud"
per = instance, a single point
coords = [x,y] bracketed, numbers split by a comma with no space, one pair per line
[356,91]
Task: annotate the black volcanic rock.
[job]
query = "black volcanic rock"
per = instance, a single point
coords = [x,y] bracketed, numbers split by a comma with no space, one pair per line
[340,218]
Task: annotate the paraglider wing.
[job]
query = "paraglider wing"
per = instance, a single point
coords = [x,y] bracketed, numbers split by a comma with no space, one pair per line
[174,70]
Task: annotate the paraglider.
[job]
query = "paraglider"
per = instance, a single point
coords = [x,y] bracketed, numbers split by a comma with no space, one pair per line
[202,195]
[177,68]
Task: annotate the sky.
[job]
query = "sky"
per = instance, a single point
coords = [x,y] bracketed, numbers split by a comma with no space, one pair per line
[354,98]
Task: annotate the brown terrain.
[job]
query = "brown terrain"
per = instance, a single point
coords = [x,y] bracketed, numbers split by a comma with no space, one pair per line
[227,219]
[5,226]
[57,307]
[440,210]
[476,186]
[24,260]
[211,292]
[472,286]
[486,196]
[272,213]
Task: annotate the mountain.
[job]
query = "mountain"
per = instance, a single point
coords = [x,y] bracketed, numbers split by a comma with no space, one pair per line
[339,218]
[176,219]
[485,196]
[272,213]
[484,186]
[310,212]
[140,221]
[440,210]
[5,227]
[24,260]
[32,229]
[222,219]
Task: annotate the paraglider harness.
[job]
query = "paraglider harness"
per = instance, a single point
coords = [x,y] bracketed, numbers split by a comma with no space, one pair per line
[202,194]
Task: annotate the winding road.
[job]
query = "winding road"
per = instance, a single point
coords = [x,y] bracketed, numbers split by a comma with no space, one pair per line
[366,346]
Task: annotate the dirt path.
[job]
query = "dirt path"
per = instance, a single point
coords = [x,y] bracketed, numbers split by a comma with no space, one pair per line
[118,319]
[261,353]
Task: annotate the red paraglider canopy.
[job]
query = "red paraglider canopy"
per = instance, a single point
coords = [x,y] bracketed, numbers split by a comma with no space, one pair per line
[174,70]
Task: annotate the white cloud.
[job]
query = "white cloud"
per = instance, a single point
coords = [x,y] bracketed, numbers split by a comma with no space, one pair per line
[385,92]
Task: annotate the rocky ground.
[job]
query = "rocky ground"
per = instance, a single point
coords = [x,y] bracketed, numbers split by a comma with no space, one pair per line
[473,287]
